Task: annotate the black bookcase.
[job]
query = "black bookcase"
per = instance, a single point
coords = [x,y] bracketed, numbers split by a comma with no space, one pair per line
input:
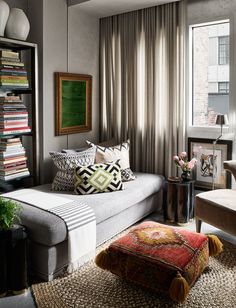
[29,55]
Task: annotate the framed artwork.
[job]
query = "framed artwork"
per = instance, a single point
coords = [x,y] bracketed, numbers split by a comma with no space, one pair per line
[210,160]
[73,103]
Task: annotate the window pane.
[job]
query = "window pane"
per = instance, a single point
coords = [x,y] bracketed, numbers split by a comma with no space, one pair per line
[223,50]
[210,73]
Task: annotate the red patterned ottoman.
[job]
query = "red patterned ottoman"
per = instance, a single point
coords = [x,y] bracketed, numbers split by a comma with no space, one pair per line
[163,258]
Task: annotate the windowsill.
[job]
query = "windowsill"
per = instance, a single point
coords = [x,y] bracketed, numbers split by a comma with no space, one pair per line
[209,132]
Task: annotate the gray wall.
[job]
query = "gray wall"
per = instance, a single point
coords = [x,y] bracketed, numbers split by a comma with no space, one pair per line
[22,4]
[68,41]
[83,57]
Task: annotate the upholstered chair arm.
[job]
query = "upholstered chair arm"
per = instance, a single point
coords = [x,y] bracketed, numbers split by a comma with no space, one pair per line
[230,165]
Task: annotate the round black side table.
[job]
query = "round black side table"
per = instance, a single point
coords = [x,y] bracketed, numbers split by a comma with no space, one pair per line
[179,207]
[13,261]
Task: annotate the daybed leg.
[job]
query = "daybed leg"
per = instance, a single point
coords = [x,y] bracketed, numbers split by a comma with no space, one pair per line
[198,225]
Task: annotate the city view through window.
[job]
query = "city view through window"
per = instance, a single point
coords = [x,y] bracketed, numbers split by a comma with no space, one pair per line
[210,66]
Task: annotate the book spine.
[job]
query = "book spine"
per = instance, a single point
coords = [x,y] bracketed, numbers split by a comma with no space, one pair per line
[13,80]
[13,117]
[13,126]
[9,54]
[12,74]
[14,84]
[11,161]
[10,98]
[13,171]
[13,113]
[3,155]
[16,167]
[14,122]
[9,59]
[11,63]
[14,67]
[6,77]
[10,140]
[14,176]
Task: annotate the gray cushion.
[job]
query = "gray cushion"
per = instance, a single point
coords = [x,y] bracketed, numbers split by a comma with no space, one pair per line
[47,229]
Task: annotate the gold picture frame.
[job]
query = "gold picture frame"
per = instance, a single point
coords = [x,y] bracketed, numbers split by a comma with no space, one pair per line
[73,103]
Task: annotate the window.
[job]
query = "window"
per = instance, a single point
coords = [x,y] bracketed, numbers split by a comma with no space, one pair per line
[210,72]
[223,53]
[223,87]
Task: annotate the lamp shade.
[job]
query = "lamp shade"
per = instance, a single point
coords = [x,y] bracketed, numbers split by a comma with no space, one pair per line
[222,119]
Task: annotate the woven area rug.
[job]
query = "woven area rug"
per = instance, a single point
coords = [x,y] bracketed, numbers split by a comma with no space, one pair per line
[92,287]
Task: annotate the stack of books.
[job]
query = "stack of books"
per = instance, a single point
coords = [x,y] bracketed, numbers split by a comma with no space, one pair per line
[13,162]
[12,72]
[13,116]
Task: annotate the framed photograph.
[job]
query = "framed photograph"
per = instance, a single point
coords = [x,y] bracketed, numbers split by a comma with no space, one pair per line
[210,162]
[73,103]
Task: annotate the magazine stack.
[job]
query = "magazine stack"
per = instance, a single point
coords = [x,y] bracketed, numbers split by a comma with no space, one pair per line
[12,71]
[13,161]
[13,116]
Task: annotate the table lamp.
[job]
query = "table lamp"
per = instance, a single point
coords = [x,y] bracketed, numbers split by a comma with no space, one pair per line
[221,119]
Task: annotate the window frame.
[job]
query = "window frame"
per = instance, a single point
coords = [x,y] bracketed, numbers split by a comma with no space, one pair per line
[194,130]
[226,57]
[226,87]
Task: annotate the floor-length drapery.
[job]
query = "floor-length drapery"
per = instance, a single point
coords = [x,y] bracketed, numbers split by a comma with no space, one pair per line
[142,79]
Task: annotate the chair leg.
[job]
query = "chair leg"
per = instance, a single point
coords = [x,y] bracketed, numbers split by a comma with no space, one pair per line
[198,225]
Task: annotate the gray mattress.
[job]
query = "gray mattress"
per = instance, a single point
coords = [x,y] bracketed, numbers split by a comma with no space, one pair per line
[48,229]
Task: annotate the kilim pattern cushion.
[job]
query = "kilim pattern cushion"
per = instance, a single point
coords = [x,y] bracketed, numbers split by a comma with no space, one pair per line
[112,154]
[66,163]
[98,178]
[153,254]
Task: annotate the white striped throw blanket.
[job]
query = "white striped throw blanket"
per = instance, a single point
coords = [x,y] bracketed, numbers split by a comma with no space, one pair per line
[78,217]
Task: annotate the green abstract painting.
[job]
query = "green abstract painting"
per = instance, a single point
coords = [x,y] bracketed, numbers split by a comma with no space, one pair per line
[73,103]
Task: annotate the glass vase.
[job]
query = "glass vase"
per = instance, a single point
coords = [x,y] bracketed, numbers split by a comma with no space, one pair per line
[186,176]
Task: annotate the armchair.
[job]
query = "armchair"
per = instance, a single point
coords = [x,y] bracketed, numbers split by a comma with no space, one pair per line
[218,207]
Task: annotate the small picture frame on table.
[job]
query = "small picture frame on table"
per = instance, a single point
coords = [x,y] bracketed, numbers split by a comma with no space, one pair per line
[208,166]
[73,103]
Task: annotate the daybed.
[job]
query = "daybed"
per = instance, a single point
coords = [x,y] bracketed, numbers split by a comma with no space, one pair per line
[114,212]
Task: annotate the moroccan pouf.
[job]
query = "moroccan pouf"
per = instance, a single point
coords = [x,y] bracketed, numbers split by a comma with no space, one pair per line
[163,258]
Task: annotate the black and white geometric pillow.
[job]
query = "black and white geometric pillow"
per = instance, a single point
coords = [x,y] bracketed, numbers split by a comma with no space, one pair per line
[66,163]
[127,175]
[114,153]
[98,178]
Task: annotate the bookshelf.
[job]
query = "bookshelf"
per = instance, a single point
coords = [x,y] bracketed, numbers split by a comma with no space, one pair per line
[19,95]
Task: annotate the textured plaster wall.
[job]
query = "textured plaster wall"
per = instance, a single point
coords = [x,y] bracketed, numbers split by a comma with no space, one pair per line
[83,58]
[70,41]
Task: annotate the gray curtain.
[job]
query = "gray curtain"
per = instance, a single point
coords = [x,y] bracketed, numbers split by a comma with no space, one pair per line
[142,79]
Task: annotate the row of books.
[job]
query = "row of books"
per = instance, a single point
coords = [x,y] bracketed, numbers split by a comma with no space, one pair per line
[13,161]
[13,116]
[12,70]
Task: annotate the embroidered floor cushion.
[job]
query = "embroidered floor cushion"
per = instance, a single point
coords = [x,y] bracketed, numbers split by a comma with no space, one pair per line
[163,258]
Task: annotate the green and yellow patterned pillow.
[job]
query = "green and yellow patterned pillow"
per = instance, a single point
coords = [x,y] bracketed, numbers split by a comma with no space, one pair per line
[98,178]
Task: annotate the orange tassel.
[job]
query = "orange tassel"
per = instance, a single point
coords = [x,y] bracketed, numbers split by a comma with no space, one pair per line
[102,260]
[179,288]
[215,245]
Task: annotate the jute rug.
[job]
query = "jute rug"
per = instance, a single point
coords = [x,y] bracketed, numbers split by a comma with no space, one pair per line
[93,287]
